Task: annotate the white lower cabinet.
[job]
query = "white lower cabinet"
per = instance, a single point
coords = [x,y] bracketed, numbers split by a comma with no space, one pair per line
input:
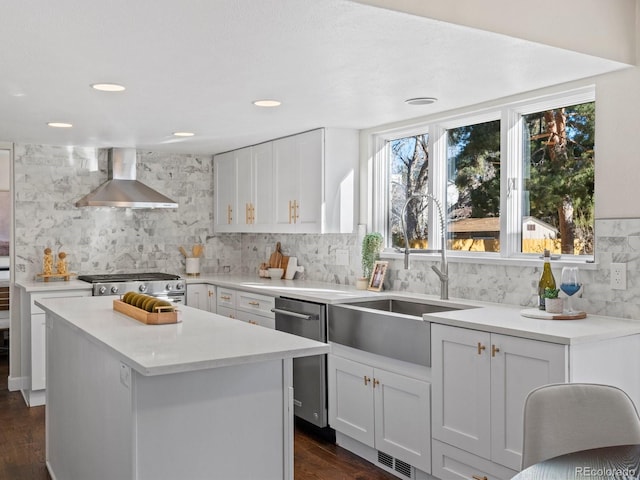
[201,296]
[249,307]
[33,344]
[384,410]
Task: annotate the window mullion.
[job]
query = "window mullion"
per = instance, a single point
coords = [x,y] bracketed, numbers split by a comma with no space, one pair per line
[437,183]
[511,184]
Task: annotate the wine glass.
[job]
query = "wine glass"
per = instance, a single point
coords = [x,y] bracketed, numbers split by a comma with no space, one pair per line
[569,284]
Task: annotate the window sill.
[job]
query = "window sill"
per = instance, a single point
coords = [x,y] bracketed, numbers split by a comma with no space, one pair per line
[493,260]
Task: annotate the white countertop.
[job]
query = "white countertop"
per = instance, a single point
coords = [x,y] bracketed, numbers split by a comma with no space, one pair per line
[508,321]
[202,340]
[489,317]
[38,286]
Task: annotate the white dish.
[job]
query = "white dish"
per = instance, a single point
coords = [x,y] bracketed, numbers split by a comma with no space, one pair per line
[276,272]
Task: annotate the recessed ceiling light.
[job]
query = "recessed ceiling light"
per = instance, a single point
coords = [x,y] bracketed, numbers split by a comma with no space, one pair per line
[183,134]
[421,101]
[59,125]
[108,87]
[267,103]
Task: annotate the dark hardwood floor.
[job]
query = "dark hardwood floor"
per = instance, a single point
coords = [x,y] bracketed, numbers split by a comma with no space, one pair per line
[22,446]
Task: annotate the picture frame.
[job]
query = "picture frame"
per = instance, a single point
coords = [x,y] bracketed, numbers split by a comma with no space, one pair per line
[377,277]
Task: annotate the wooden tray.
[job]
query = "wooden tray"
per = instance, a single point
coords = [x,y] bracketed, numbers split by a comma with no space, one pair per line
[542,315]
[161,317]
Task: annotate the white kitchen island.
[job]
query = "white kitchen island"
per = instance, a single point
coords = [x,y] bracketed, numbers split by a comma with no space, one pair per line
[207,398]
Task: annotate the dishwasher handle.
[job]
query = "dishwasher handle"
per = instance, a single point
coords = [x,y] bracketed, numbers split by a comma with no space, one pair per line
[292,314]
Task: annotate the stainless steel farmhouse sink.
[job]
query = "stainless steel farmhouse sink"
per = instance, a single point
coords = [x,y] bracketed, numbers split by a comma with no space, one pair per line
[389,327]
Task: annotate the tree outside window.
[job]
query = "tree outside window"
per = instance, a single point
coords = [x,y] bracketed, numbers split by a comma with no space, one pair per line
[556,184]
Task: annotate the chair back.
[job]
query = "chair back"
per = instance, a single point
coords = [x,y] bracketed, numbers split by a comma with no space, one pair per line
[568,417]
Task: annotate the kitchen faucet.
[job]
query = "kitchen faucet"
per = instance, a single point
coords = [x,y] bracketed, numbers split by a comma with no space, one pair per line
[443,271]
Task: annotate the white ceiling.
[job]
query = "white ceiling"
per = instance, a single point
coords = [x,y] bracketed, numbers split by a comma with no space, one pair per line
[196,65]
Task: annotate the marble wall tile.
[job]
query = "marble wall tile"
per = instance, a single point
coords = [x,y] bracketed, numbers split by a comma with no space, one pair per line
[50,179]
[616,241]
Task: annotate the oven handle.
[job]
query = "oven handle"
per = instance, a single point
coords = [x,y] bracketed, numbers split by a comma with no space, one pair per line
[292,314]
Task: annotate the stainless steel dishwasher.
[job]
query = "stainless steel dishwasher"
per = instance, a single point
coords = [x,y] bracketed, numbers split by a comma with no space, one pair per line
[308,320]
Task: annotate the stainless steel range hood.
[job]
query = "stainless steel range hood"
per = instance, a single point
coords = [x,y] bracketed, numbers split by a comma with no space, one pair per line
[122,189]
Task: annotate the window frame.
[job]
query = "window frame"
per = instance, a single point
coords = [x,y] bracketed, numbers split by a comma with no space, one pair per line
[510,114]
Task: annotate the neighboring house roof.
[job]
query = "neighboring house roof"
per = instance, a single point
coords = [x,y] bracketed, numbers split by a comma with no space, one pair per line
[487,224]
[491,224]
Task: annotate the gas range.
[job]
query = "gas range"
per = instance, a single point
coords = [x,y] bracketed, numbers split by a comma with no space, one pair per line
[162,285]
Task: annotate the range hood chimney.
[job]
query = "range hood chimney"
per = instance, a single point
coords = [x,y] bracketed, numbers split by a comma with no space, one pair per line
[122,189]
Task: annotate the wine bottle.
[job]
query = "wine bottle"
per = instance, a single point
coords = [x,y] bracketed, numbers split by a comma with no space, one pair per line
[546,280]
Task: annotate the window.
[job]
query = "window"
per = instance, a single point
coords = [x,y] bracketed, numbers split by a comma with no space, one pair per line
[513,180]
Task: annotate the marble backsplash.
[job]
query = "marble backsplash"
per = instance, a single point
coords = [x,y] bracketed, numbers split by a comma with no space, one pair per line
[49,179]
[617,241]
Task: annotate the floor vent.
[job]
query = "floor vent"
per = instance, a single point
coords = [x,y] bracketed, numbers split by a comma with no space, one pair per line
[396,465]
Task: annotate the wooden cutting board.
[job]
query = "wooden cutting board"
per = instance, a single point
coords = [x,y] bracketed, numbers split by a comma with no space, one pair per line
[542,315]
[276,257]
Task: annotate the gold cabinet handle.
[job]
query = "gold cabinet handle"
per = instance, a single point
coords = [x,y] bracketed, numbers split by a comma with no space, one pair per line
[366,380]
[494,350]
[247,214]
[255,304]
[296,212]
[229,214]
[251,322]
[375,382]
[225,297]
[252,213]
[210,293]
[477,477]
[481,348]
[290,211]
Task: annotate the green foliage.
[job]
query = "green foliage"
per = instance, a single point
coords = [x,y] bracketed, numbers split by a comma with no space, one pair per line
[371,247]
[551,292]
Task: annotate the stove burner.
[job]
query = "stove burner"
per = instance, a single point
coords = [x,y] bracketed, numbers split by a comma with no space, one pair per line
[128,277]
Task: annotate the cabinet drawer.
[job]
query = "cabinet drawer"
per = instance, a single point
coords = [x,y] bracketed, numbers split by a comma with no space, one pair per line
[226,312]
[450,463]
[257,304]
[58,294]
[226,298]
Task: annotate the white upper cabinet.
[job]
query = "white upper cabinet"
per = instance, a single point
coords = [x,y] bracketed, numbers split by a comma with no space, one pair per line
[305,183]
[225,211]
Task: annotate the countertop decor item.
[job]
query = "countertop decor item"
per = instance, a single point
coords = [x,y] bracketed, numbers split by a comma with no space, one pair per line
[371,247]
[552,304]
[276,272]
[377,278]
[62,271]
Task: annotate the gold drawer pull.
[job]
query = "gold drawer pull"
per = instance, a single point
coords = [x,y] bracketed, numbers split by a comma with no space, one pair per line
[481,348]
[225,297]
[366,380]
[255,304]
[477,477]
[494,350]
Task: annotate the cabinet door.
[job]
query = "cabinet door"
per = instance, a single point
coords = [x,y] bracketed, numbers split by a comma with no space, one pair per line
[351,401]
[285,177]
[461,371]
[224,167]
[197,296]
[244,192]
[309,200]
[518,366]
[403,418]
[263,211]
